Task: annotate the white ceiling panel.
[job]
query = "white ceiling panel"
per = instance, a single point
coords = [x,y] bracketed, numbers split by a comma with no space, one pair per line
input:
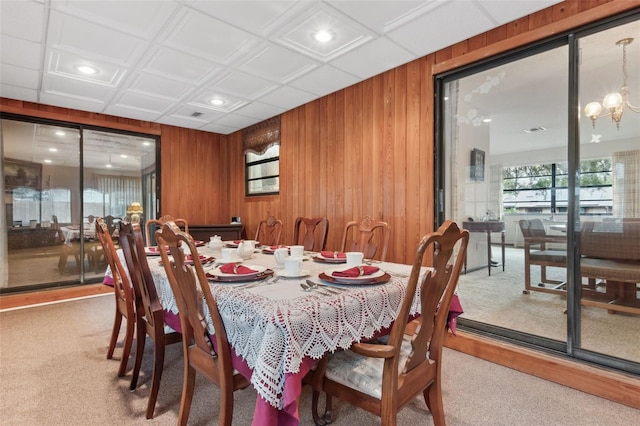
[21,53]
[92,40]
[243,85]
[277,64]
[298,33]
[65,64]
[260,111]
[252,16]
[76,89]
[158,87]
[162,60]
[432,32]
[18,76]
[288,97]
[170,63]
[324,80]
[196,33]
[385,16]
[371,59]
[143,19]
[140,102]
[16,92]
[24,20]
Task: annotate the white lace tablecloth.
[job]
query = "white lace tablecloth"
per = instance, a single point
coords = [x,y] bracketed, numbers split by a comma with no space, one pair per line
[275,326]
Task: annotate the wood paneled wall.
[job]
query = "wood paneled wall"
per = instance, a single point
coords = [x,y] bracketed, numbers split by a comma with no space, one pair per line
[369,149]
[364,150]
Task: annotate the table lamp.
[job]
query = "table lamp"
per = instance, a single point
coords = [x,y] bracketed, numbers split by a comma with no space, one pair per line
[135,212]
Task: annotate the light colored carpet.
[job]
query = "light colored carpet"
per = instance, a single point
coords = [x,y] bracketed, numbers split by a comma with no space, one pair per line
[498,300]
[54,371]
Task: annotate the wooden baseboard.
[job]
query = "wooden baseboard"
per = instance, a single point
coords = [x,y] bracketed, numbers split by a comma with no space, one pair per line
[33,298]
[614,386]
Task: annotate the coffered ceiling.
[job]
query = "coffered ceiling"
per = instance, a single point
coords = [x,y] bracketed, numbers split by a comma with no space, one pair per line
[165,61]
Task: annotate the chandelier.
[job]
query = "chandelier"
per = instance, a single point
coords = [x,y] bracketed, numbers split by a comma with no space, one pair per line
[614,102]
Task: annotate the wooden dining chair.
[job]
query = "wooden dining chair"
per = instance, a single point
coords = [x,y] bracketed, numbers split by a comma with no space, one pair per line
[149,311]
[269,231]
[367,236]
[152,225]
[311,233]
[210,355]
[537,252]
[383,376]
[124,294]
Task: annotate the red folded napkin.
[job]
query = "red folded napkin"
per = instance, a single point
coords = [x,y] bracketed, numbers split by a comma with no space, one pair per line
[333,255]
[237,241]
[189,257]
[234,268]
[274,248]
[356,271]
[156,249]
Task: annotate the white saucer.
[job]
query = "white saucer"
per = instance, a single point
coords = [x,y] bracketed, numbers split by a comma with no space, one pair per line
[224,262]
[303,273]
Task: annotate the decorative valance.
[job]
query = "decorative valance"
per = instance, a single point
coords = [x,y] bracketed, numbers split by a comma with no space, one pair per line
[259,137]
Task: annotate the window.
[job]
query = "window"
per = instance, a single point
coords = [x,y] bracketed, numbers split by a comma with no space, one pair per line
[262,172]
[262,157]
[542,188]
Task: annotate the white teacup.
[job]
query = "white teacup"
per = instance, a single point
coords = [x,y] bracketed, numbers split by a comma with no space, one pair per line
[293,267]
[354,258]
[281,255]
[228,254]
[297,252]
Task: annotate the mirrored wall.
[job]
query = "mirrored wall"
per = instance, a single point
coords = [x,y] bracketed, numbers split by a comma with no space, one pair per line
[58,178]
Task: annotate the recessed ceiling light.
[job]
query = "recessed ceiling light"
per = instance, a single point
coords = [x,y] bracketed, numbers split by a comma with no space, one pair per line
[486,120]
[217,101]
[47,161]
[108,166]
[123,156]
[86,69]
[53,149]
[146,143]
[323,36]
[60,133]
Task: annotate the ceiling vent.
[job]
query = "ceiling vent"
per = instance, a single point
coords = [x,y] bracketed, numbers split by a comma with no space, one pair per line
[196,114]
[534,129]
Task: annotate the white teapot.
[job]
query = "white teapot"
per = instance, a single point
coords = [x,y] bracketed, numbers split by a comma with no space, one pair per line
[215,243]
[246,248]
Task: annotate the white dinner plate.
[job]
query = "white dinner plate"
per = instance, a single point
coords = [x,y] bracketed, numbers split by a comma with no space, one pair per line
[224,262]
[304,273]
[353,280]
[230,277]
[321,258]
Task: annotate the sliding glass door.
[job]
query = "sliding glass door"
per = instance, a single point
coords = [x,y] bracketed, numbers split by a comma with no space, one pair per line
[58,178]
[553,212]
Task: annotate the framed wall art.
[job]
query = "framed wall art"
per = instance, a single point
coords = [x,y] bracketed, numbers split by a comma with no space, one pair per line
[18,173]
[477,165]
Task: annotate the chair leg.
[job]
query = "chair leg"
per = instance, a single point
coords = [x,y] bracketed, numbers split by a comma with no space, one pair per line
[126,348]
[117,322]
[158,366]
[326,417]
[226,407]
[188,385]
[141,335]
[433,399]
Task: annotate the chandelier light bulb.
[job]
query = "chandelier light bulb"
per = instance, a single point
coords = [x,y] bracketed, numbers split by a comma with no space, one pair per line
[592,110]
[612,101]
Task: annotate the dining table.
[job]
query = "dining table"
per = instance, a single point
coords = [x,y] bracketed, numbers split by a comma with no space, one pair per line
[73,232]
[279,330]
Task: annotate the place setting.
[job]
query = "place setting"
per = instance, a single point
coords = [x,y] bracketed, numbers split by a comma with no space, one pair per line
[355,272]
[326,256]
[238,273]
